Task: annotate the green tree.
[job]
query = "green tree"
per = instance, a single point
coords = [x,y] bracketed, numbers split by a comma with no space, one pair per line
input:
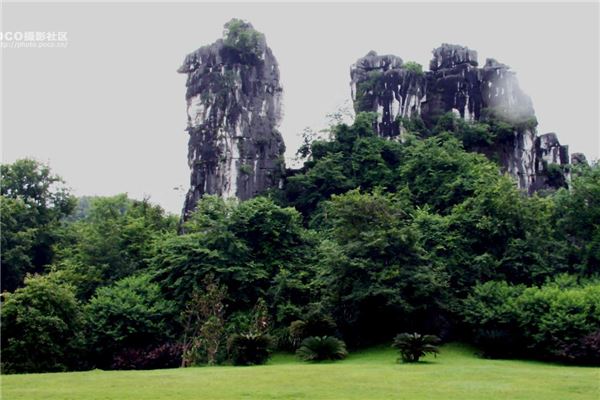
[491,313]
[41,326]
[373,273]
[578,216]
[245,246]
[439,173]
[33,202]
[114,240]
[131,313]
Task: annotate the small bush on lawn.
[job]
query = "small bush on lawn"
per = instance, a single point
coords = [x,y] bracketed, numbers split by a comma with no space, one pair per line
[316,324]
[413,346]
[319,348]
[249,348]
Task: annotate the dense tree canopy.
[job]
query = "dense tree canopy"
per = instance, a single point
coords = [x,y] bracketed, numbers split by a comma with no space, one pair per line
[33,201]
[370,238]
[41,326]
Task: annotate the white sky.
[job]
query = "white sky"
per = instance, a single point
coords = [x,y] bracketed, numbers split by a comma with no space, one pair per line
[108,112]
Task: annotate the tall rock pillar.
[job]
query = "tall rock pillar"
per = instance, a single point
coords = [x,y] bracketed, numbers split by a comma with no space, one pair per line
[234,108]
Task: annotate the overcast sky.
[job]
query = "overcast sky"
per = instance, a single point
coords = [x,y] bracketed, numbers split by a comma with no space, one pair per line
[108,111]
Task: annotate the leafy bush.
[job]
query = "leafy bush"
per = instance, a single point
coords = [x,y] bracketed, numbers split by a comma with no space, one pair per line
[490,311]
[315,324]
[167,355]
[319,348]
[249,348]
[41,326]
[413,346]
[556,321]
[552,315]
[129,314]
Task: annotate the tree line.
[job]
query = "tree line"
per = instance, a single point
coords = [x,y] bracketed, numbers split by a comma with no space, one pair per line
[371,237]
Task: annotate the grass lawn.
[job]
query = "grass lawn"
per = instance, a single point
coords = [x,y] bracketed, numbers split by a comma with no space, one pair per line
[372,374]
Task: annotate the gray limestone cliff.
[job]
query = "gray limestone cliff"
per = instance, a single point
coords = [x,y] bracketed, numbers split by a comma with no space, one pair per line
[234,108]
[455,83]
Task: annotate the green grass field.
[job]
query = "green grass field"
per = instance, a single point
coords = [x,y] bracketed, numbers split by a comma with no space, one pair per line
[373,374]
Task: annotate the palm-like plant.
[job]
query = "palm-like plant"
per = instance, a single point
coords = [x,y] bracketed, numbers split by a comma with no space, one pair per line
[249,348]
[413,346]
[319,348]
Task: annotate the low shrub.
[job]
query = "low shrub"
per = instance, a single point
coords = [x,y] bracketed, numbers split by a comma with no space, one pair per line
[552,322]
[167,355]
[583,351]
[413,346]
[249,348]
[315,324]
[320,348]
[490,311]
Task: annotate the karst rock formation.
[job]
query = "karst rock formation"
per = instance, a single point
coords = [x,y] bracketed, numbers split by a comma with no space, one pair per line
[234,108]
[456,83]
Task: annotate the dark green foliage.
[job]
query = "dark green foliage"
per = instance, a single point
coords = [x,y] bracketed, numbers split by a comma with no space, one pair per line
[500,234]
[368,89]
[578,215]
[129,314]
[371,237]
[41,327]
[33,202]
[413,346]
[246,246]
[439,173]
[375,274]
[315,324]
[249,348]
[491,313]
[356,157]
[555,176]
[320,348]
[414,125]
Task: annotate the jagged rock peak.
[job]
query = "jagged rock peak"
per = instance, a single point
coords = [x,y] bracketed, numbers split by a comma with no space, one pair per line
[455,83]
[234,108]
[451,55]
[373,61]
